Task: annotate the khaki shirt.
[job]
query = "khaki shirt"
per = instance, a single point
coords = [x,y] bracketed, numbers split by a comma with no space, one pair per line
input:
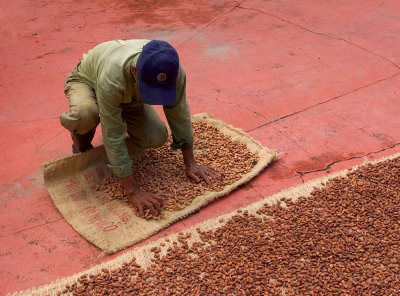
[107,69]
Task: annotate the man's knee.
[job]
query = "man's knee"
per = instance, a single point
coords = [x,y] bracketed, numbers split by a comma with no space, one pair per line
[150,137]
[81,119]
[159,136]
[88,112]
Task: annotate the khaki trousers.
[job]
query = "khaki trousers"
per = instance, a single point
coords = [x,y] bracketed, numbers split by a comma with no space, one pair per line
[144,125]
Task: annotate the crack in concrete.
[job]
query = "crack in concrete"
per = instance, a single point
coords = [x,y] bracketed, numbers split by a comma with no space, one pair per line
[354,125]
[38,147]
[301,174]
[326,101]
[322,34]
[239,105]
[236,6]
[30,228]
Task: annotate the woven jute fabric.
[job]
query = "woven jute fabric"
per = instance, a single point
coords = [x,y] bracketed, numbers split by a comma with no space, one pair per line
[111,225]
[144,255]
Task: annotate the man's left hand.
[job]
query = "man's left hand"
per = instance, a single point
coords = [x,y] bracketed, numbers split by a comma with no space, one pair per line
[198,172]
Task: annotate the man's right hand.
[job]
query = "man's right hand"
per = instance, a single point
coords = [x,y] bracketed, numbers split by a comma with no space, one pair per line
[141,199]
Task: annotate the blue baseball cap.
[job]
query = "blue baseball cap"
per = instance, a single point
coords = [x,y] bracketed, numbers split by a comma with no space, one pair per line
[158,68]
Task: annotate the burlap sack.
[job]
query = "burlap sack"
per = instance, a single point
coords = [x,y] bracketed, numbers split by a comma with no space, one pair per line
[111,225]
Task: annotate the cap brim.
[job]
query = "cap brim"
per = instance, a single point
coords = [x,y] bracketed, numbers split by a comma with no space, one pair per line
[159,95]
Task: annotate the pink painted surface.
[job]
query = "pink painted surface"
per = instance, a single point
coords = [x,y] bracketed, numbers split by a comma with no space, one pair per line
[315,80]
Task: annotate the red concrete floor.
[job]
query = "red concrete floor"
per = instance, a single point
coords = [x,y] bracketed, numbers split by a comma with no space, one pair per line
[317,80]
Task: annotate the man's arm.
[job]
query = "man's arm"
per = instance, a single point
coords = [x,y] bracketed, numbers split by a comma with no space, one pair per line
[179,120]
[178,116]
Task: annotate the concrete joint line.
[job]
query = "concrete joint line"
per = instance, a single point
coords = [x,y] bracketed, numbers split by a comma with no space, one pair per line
[324,102]
[323,34]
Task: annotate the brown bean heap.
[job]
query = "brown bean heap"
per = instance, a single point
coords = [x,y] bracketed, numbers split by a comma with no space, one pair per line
[342,240]
[162,172]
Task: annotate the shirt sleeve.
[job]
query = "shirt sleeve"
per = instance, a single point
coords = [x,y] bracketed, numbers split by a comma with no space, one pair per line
[178,116]
[113,128]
